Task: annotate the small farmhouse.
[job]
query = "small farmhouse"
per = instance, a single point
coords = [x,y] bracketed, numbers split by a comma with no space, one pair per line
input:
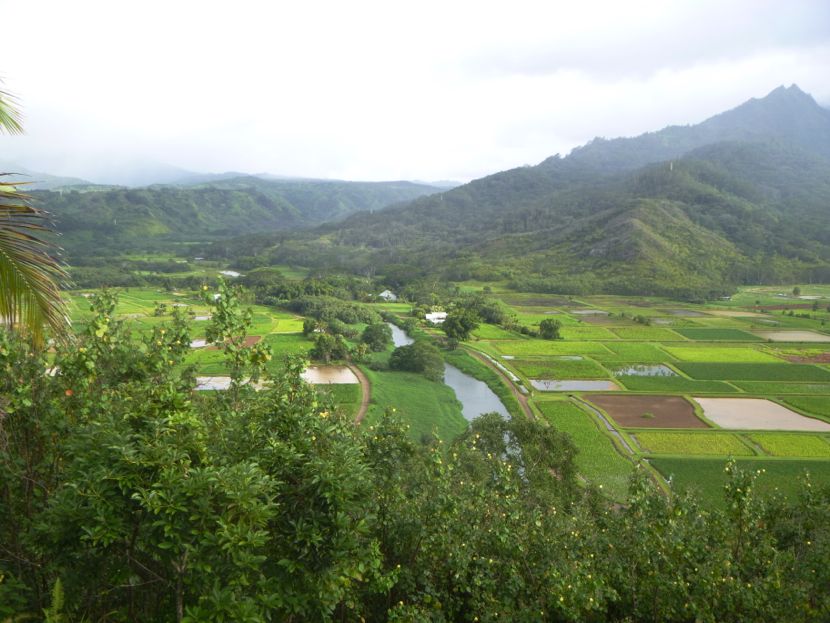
[436,317]
[388,295]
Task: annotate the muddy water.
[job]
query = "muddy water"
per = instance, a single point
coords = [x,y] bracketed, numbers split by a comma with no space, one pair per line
[323,375]
[574,386]
[650,370]
[474,395]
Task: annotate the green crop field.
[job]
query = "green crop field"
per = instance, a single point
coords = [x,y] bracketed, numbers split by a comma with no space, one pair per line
[693,443]
[493,332]
[632,352]
[811,404]
[647,334]
[598,460]
[758,387]
[559,369]
[549,347]
[674,384]
[720,354]
[288,344]
[754,371]
[705,334]
[707,476]
[792,444]
[586,332]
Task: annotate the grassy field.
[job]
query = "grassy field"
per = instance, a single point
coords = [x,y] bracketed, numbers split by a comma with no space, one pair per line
[754,371]
[647,334]
[693,443]
[549,347]
[674,385]
[705,334]
[811,404]
[632,352]
[559,369]
[720,354]
[598,459]
[706,477]
[425,406]
[791,444]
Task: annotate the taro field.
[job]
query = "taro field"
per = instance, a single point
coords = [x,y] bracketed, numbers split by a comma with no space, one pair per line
[680,388]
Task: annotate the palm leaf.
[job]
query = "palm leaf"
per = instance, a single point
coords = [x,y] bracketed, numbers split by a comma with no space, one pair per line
[30,276]
[10,117]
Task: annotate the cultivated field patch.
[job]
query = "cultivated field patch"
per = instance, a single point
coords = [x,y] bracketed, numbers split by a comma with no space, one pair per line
[548,347]
[586,332]
[756,414]
[649,411]
[712,334]
[559,368]
[720,354]
[706,477]
[789,444]
[754,371]
[689,443]
[647,334]
[811,404]
[757,387]
[598,460]
[793,336]
[573,385]
[674,384]
[628,351]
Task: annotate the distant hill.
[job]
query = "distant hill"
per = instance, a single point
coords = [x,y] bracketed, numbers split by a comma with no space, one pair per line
[38,181]
[740,198]
[115,219]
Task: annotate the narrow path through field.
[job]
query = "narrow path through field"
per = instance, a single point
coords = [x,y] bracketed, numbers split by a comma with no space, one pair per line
[605,421]
[519,395]
[366,390]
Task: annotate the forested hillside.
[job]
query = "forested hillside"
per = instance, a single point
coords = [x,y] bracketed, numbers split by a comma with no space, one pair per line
[740,198]
[113,219]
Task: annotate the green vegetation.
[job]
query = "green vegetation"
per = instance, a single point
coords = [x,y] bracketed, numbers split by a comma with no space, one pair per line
[674,384]
[538,347]
[811,404]
[717,354]
[597,459]
[631,352]
[693,443]
[646,334]
[559,369]
[549,329]
[754,371]
[707,477]
[720,335]
[784,444]
[427,408]
[421,357]
[772,388]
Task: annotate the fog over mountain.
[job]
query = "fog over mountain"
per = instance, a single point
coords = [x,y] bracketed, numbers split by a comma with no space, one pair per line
[376,91]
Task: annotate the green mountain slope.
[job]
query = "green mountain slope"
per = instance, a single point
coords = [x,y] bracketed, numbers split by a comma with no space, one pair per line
[742,197]
[110,219]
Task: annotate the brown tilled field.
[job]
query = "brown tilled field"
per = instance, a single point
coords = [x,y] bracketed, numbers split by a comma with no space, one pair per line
[649,411]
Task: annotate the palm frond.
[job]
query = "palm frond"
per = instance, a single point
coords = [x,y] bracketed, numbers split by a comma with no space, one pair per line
[10,117]
[30,276]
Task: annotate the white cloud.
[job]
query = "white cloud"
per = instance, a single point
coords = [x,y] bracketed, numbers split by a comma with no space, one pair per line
[382,90]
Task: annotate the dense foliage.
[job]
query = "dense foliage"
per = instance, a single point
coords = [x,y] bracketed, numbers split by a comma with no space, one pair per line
[685,212]
[125,495]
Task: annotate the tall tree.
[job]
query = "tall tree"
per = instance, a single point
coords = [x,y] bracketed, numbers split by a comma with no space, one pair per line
[29,274]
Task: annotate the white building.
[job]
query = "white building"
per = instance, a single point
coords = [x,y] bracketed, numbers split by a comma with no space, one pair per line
[388,295]
[436,317]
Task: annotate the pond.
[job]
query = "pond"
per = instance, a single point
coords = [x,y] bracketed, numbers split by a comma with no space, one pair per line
[474,395]
[574,386]
[645,370]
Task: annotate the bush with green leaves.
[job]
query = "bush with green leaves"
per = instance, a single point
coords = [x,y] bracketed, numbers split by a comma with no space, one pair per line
[420,356]
[377,336]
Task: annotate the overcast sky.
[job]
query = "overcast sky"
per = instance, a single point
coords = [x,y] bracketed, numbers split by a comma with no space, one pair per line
[383,90]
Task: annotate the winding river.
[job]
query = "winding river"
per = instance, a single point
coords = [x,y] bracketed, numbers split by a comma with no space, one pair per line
[474,395]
